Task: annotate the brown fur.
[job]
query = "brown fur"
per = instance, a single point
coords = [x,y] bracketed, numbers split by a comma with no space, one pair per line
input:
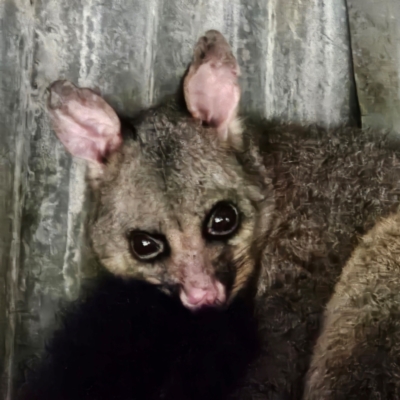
[166,180]
[330,187]
[357,355]
[306,194]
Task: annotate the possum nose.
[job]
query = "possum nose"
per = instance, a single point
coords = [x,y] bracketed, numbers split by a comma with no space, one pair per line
[199,296]
[196,297]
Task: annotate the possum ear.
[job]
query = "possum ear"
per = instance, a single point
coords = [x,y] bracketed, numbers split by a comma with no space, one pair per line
[211,86]
[85,124]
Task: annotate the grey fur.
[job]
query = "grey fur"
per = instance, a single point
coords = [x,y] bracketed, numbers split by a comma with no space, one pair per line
[306,195]
[330,187]
[166,180]
[357,354]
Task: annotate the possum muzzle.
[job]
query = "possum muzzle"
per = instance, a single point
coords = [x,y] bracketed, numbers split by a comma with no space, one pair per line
[202,291]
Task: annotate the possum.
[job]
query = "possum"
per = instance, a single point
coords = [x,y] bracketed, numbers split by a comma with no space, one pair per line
[210,206]
[357,355]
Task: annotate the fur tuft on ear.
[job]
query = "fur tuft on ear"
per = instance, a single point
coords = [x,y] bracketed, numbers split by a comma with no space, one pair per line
[211,88]
[86,125]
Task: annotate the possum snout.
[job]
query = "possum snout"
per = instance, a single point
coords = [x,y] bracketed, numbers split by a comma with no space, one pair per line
[194,297]
[193,269]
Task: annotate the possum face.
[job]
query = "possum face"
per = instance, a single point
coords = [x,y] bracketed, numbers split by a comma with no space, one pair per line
[180,205]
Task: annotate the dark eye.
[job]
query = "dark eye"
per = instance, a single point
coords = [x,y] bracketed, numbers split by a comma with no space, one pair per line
[145,246]
[223,220]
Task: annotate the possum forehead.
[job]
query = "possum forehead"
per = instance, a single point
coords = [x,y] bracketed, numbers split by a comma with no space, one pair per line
[172,174]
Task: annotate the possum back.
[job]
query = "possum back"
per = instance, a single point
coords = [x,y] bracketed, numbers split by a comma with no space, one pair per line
[330,188]
[358,352]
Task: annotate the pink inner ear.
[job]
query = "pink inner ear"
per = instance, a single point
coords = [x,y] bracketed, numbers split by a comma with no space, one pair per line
[86,125]
[212,94]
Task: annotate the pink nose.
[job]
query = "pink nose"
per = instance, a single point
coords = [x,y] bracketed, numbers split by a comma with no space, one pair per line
[194,297]
[201,296]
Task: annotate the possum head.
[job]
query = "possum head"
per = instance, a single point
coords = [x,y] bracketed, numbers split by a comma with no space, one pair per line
[184,201]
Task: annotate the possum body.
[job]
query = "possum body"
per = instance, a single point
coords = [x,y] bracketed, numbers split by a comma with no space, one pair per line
[128,340]
[357,355]
[211,208]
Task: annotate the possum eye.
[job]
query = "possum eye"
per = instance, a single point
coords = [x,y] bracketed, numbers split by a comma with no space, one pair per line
[145,246]
[222,221]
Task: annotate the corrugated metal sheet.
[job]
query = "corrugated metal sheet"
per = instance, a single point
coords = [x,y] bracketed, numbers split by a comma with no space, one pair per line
[296,64]
[375,38]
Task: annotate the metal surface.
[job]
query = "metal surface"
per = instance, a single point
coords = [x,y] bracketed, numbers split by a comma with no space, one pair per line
[375,38]
[296,64]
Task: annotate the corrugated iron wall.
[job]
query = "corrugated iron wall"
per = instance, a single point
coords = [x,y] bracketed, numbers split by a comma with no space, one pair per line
[296,59]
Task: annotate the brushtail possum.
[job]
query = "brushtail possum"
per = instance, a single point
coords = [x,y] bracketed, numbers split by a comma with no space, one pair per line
[357,355]
[210,206]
